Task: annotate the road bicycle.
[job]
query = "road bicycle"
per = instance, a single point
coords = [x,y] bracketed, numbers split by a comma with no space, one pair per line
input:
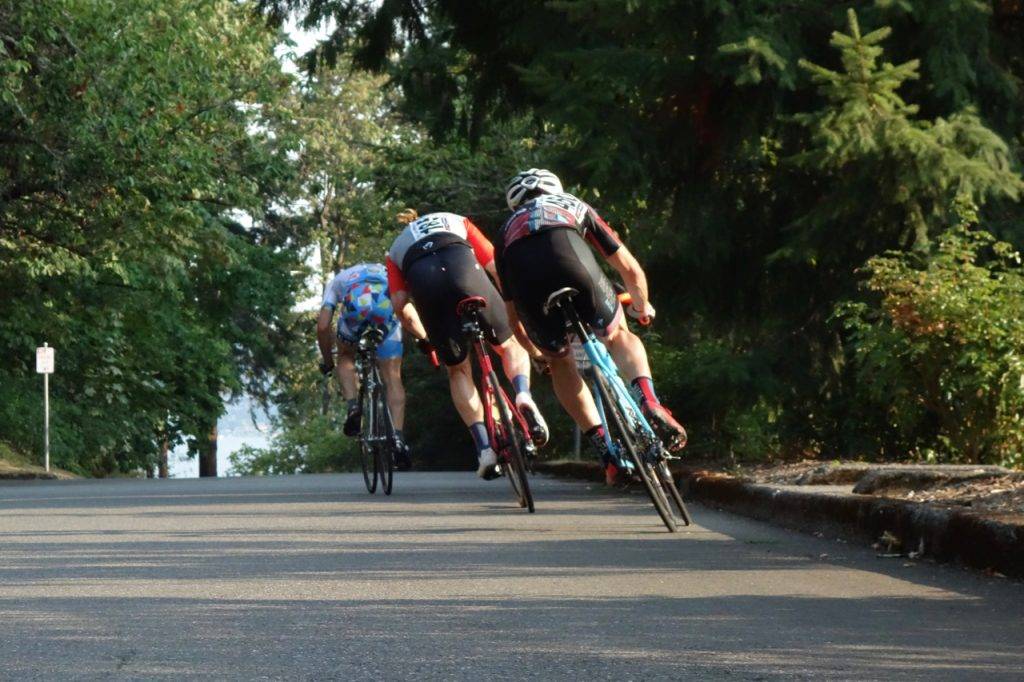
[628,435]
[378,443]
[506,426]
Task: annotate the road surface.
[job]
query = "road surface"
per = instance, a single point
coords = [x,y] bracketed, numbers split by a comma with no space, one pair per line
[308,577]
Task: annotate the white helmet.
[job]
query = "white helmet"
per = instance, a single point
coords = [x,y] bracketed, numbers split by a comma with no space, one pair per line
[527,181]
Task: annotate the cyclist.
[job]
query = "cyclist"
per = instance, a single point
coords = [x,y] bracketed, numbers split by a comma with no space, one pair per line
[543,247]
[437,261]
[361,291]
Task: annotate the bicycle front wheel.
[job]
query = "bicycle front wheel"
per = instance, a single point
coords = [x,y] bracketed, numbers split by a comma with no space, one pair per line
[668,484]
[627,435]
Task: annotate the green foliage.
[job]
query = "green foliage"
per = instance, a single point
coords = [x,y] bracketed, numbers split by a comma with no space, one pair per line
[751,163]
[940,349]
[144,153]
[865,138]
[315,445]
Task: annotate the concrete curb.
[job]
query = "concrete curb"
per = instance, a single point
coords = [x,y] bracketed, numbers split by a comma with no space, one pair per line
[24,475]
[945,535]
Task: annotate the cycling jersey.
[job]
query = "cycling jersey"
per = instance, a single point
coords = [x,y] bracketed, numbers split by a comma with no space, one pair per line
[439,260]
[428,234]
[542,250]
[550,211]
[361,291]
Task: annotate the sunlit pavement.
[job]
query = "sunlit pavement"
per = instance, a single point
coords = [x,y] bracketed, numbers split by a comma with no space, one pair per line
[310,577]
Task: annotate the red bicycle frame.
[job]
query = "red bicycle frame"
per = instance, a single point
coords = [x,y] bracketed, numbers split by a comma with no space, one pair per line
[489,398]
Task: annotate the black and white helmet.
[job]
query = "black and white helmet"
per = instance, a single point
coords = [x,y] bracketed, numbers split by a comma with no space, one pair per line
[527,181]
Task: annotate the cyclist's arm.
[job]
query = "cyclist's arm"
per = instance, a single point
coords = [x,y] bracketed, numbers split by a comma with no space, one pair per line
[324,337]
[483,249]
[407,315]
[404,309]
[632,276]
[607,242]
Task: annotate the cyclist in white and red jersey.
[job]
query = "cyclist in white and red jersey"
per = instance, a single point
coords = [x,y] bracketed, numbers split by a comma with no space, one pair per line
[545,245]
[436,262]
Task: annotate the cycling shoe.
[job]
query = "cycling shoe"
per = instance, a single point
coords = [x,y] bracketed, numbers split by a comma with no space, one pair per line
[665,425]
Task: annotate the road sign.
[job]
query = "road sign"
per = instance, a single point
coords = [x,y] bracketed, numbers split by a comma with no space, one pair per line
[44,366]
[44,360]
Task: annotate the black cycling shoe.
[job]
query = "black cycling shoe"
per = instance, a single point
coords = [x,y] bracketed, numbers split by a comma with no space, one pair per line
[665,425]
[354,419]
[403,462]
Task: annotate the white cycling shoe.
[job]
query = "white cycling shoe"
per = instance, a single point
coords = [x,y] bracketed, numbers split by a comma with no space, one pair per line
[534,420]
[488,461]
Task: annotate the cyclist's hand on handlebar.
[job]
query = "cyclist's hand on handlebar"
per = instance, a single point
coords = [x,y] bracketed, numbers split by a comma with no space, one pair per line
[428,350]
[326,368]
[645,316]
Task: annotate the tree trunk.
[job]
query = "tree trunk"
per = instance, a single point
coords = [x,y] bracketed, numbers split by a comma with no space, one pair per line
[162,462]
[208,455]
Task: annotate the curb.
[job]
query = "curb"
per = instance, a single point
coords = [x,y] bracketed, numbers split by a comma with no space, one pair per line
[27,476]
[941,534]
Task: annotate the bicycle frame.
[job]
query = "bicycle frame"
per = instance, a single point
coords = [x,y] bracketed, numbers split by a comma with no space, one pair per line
[488,395]
[370,382]
[601,361]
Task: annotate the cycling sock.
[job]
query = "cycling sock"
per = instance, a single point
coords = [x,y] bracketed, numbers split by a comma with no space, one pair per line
[480,438]
[351,403]
[398,434]
[643,388]
[596,436]
[521,384]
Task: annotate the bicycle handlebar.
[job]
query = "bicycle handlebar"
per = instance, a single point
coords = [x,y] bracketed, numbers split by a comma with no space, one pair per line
[627,301]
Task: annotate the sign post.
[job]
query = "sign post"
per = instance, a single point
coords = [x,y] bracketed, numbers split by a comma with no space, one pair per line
[44,366]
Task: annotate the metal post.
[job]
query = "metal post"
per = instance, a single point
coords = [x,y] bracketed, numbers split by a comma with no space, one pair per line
[46,416]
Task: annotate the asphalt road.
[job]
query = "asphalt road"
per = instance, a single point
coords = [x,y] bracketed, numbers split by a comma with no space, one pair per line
[308,577]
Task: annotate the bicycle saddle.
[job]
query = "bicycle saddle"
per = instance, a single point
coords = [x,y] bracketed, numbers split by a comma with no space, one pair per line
[565,294]
[470,305]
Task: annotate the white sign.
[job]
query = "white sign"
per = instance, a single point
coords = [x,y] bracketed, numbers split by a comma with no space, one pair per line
[44,360]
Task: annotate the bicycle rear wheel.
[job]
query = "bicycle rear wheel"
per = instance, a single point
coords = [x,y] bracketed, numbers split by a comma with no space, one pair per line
[386,443]
[627,434]
[367,449]
[514,450]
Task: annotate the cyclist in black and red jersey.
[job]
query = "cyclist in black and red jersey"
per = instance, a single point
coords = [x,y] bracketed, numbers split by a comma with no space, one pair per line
[436,262]
[545,246]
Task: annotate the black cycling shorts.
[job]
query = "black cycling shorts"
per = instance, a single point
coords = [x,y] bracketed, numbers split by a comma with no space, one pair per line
[534,267]
[437,282]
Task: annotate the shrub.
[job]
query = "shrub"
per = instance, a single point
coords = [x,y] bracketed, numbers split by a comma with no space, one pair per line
[940,350]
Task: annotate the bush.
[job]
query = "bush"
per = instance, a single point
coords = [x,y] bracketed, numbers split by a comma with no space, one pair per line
[314,446]
[726,396]
[940,351]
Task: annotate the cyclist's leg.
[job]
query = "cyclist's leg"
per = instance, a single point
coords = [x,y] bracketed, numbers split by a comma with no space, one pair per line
[345,370]
[434,282]
[600,308]
[389,359]
[391,375]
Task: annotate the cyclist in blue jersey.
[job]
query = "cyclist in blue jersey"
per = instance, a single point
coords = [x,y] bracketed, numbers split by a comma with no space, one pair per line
[360,295]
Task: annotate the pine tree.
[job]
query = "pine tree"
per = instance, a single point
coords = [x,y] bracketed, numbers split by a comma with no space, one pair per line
[889,178]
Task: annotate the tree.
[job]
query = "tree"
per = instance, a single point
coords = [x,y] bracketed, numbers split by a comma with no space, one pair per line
[139,176]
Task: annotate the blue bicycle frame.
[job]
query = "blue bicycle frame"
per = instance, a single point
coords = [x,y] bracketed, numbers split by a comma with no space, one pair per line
[601,361]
